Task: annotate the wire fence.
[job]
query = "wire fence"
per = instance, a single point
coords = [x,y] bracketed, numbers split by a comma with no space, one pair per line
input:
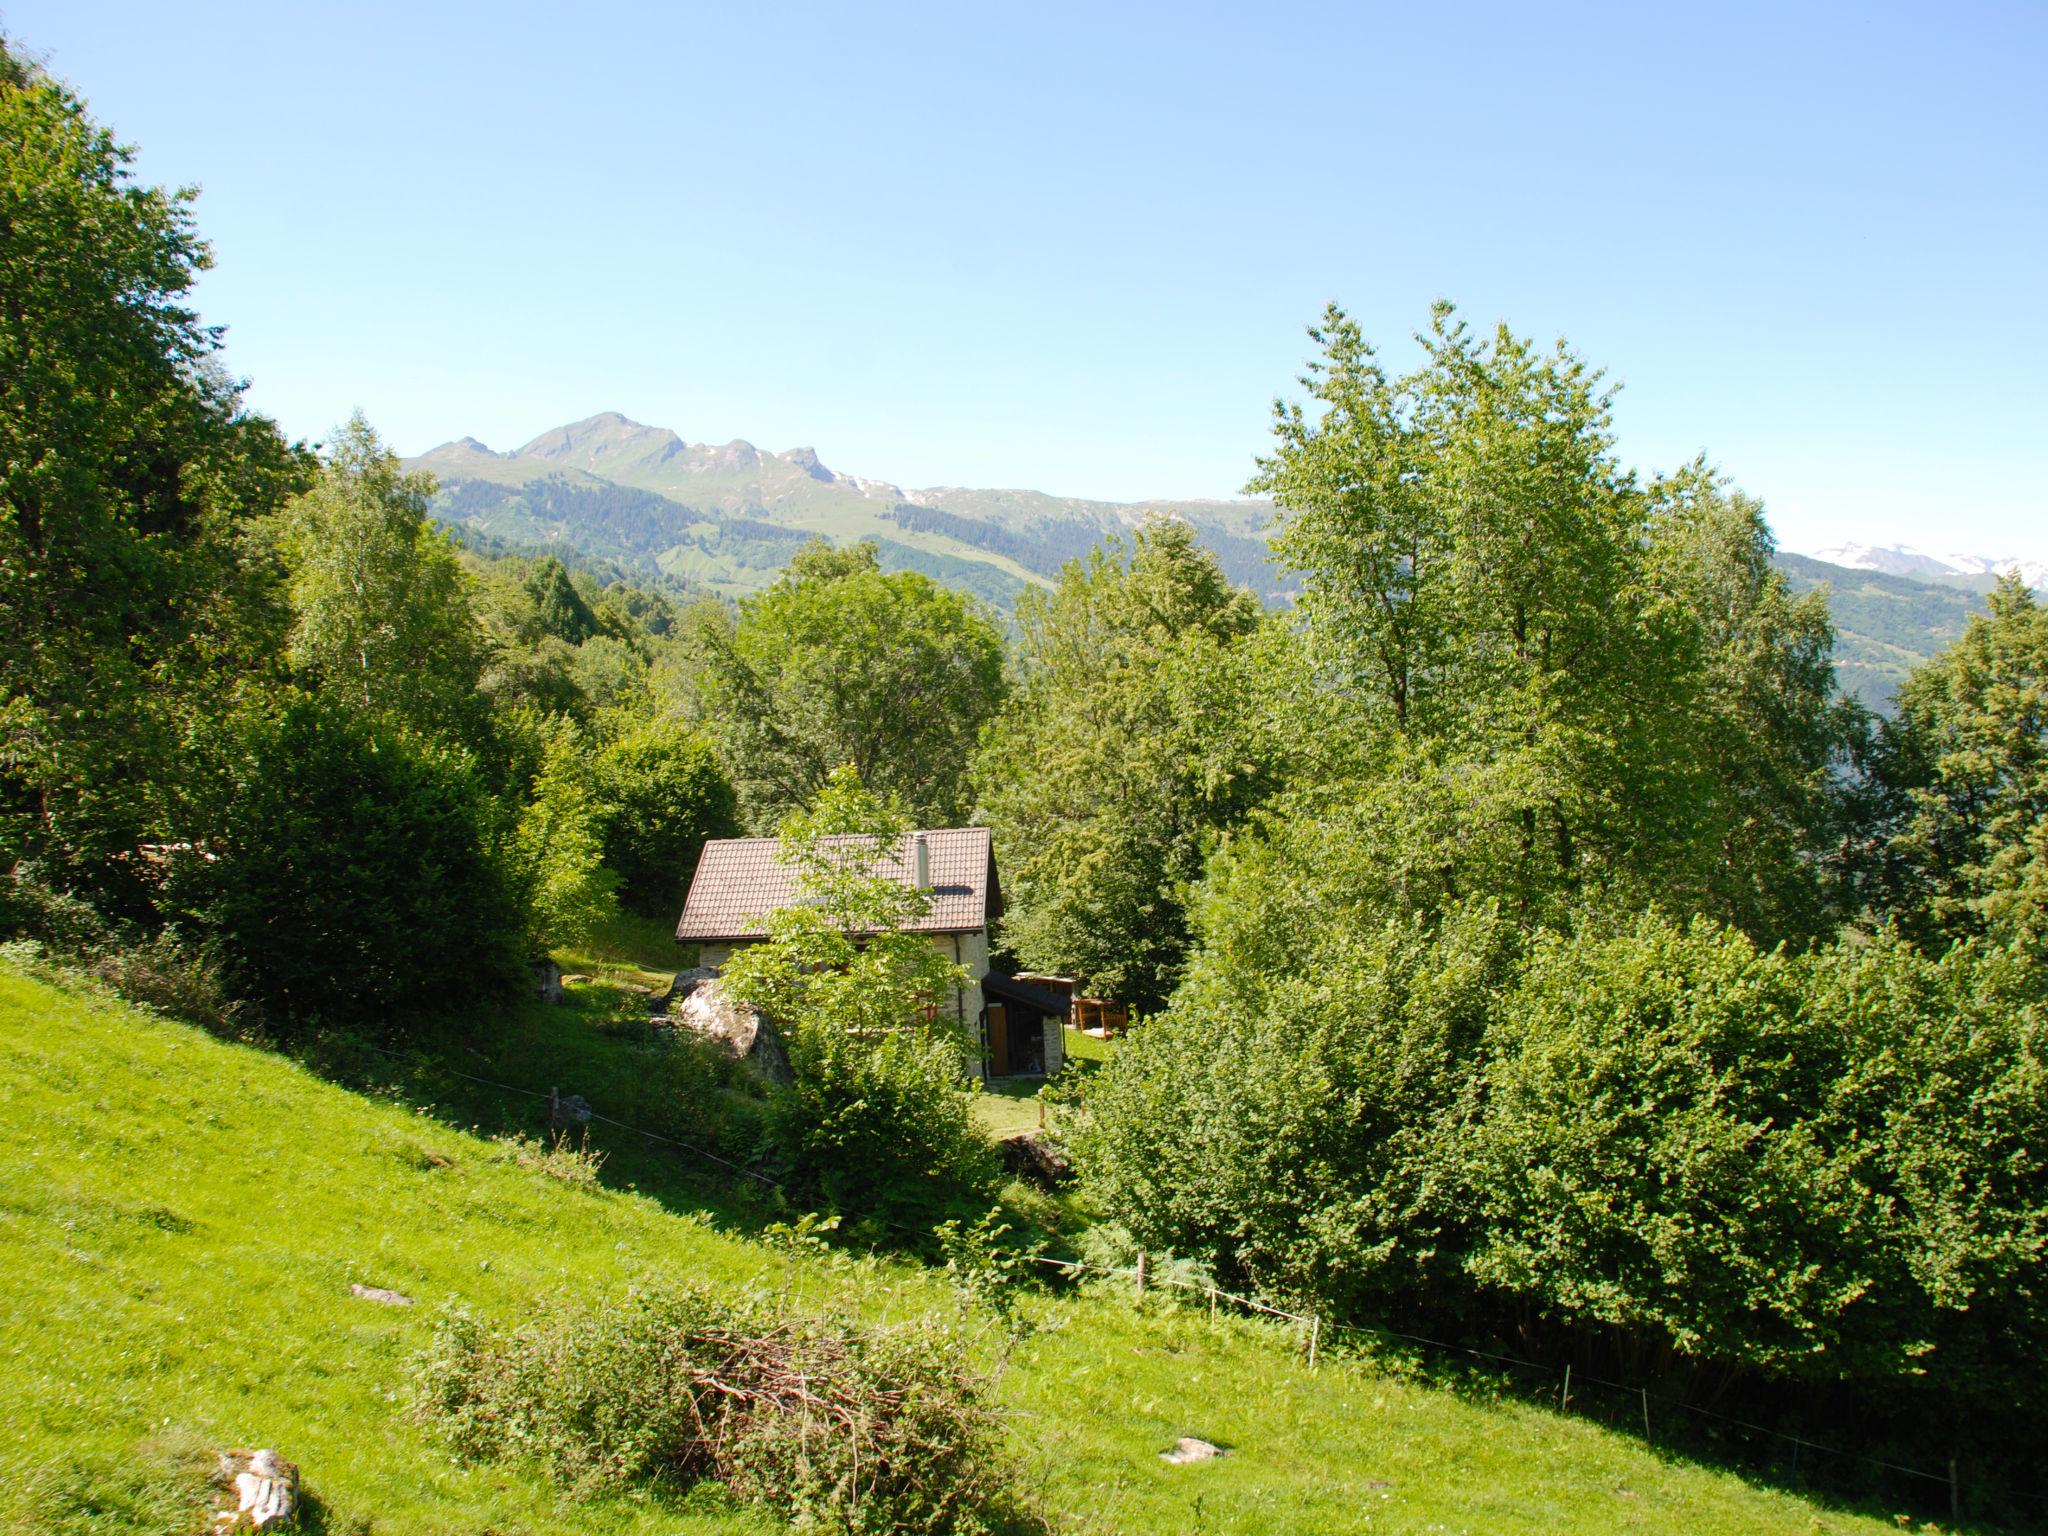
[1313,1327]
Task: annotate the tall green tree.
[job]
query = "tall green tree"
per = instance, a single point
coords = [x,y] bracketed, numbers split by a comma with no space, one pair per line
[838,663]
[1143,726]
[127,466]
[661,794]
[1608,681]
[556,851]
[354,873]
[1967,766]
[381,614]
[1767,810]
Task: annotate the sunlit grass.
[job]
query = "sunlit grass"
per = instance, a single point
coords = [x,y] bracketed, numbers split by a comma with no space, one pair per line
[184,1218]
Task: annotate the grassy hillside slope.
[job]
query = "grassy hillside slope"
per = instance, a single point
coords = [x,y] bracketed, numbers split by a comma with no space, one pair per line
[184,1217]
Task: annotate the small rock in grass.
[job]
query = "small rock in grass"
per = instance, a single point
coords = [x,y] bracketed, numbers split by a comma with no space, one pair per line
[382,1297]
[1187,1448]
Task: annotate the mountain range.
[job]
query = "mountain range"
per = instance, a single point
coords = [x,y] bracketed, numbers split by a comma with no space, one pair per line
[1975,572]
[725,518]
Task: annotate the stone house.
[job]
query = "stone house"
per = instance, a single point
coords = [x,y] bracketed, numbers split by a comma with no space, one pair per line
[1013,1029]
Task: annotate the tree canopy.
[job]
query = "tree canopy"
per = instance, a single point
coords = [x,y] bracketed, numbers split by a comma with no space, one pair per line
[838,663]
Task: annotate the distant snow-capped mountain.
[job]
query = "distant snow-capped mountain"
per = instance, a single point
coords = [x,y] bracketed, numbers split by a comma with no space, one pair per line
[1903,560]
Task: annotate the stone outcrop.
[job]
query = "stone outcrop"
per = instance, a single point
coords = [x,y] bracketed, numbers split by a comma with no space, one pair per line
[698,1002]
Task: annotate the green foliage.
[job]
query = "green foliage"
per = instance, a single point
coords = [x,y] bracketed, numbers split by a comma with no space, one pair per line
[987,1263]
[127,466]
[661,793]
[559,608]
[877,1122]
[838,663]
[1969,764]
[1655,1154]
[1149,718]
[1612,681]
[1943,1117]
[834,1428]
[1297,1127]
[352,874]
[381,618]
[557,849]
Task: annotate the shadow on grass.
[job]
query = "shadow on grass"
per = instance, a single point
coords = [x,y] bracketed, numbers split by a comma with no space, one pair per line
[693,1124]
[1801,1450]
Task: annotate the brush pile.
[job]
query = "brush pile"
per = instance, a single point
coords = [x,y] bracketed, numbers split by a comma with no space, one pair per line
[836,1428]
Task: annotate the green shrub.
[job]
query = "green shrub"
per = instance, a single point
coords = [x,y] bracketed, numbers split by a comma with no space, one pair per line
[165,973]
[354,875]
[32,909]
[1292,1120]
[835,1428]
[879,1128]
[1943,1118]
[1654,1155]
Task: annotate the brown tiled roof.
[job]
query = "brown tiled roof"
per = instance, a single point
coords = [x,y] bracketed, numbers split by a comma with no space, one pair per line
[739,881]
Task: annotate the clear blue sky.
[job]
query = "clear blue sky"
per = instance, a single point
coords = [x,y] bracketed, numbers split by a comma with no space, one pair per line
[1074,247]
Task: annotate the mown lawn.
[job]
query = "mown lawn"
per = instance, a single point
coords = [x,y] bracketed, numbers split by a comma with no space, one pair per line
[183,1219]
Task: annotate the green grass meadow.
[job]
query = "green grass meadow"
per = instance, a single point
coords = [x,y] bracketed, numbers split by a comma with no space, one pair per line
[183,1219]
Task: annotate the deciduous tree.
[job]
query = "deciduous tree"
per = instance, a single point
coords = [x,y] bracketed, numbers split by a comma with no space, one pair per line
[838,663]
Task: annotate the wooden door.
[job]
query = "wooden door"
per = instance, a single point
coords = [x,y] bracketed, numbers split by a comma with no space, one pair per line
[998,1040]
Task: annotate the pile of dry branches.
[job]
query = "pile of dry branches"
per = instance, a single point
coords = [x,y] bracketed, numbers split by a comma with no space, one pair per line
[837,1428]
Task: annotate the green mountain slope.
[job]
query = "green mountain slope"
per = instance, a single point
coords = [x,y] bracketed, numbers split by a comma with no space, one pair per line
[184,1218]
[1884,625]
[727,516]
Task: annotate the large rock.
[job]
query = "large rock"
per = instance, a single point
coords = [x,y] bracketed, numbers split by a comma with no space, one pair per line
[1032,1156]
[699,1003]
[547,981]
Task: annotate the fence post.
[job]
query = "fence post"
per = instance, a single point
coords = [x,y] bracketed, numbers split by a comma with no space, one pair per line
[1315,1337]
[1646,1412]
[1564,1401]
[1955,1492]
[1141,1274]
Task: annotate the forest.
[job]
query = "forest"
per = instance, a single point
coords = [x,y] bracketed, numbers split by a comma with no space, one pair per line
[1530,942]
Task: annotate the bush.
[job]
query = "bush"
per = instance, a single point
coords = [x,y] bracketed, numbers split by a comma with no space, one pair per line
[31,909]
[1943,1117]
[1655,1155]
[1296,1126]
[880,1129]
[163,973]
[835,1428]
[354,875]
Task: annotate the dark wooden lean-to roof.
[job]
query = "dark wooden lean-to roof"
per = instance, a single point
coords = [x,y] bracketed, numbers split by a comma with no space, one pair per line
[739,881]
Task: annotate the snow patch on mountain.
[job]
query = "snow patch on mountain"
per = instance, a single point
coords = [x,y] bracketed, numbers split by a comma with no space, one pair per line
[1921,565]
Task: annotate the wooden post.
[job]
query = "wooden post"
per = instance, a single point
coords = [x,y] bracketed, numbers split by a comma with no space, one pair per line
[1564,1401]
[1315,1337]
[1141,1274]
[1955,1492]
[554,1108]
[1646,1412]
